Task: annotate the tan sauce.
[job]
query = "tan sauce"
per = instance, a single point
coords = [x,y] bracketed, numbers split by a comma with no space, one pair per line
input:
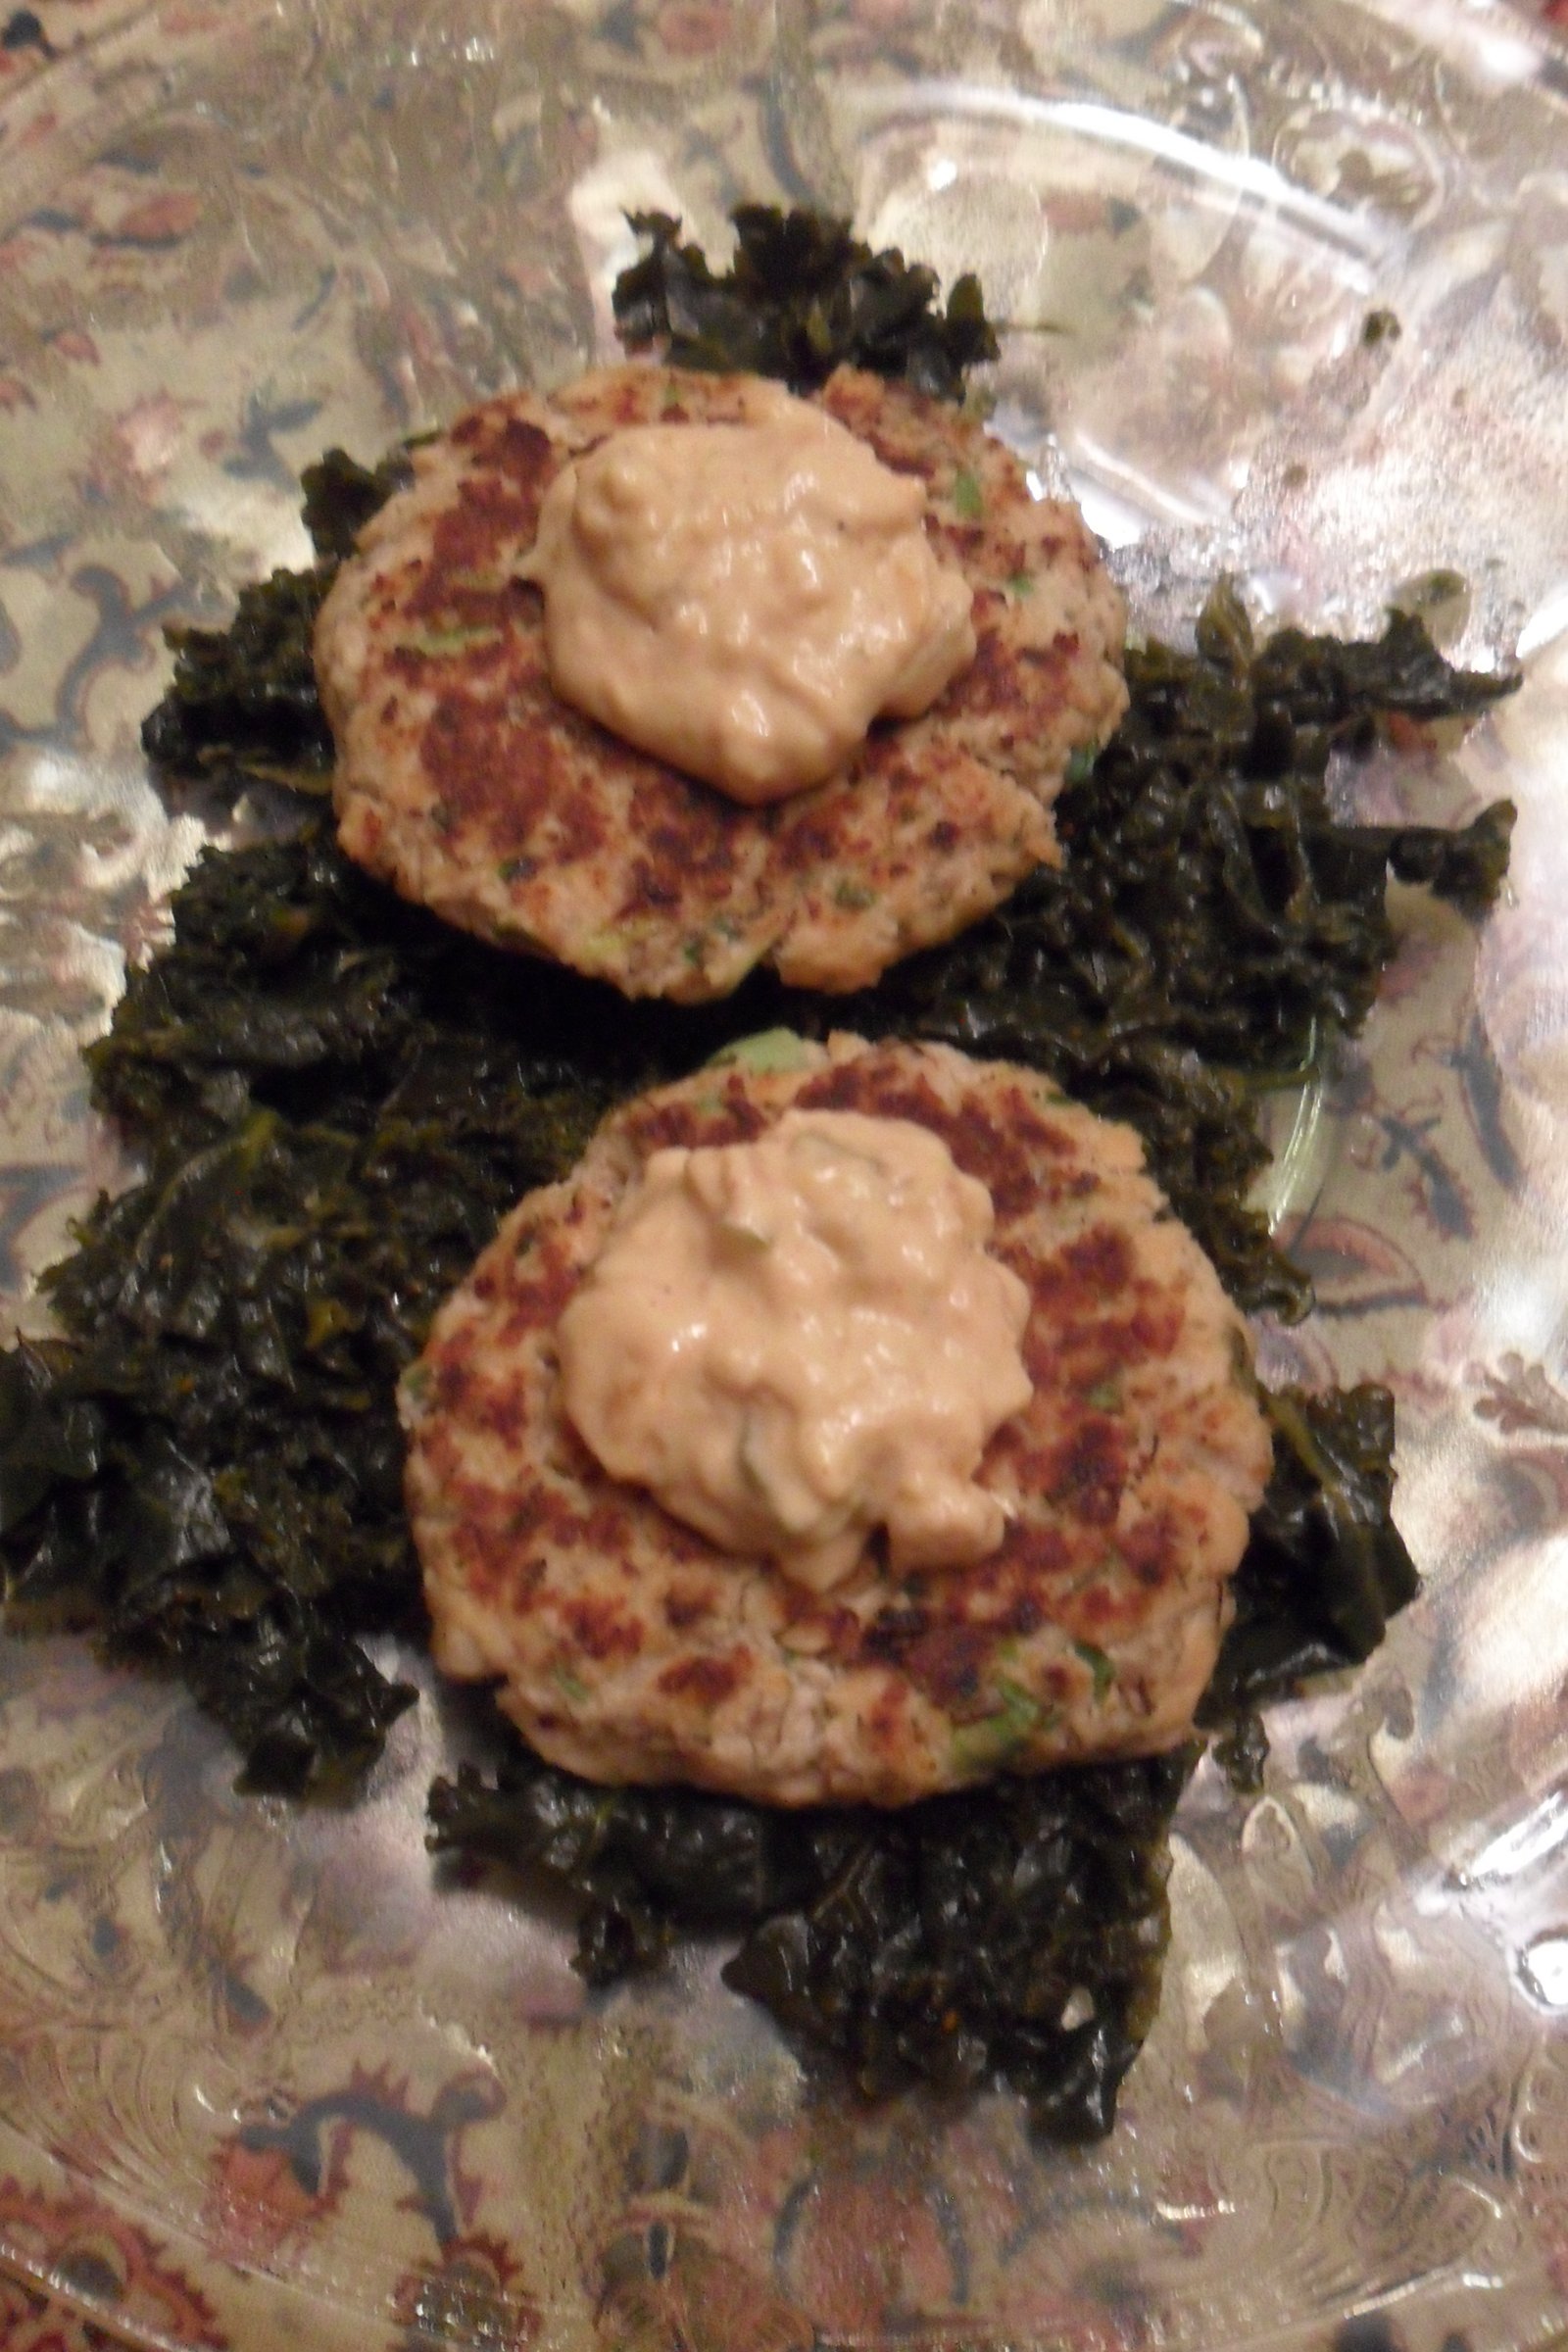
[743,600]
[794,1341]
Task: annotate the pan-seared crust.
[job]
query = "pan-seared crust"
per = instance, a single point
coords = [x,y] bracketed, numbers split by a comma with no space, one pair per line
[467,784]
[634,1649]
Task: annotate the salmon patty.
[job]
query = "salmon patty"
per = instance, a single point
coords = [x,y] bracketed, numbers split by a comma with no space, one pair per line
[631,1648]
[464,781]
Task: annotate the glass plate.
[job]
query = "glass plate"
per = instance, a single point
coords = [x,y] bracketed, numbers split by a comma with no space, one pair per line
[260,2083]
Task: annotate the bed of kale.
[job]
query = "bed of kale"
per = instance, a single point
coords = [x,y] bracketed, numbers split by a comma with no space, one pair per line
[334,1098]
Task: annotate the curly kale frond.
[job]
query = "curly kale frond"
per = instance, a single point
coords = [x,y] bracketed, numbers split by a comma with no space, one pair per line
[801,296]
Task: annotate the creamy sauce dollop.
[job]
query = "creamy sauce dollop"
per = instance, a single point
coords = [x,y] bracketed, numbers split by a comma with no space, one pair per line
[793,1342]
[743,600]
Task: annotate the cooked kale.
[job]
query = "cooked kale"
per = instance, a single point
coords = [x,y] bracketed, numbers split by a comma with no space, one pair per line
[1381,326]
[243,699]
[801,296]
[341,496]
[1325,1567]
[336,1097]
[206,1471]
[944,1942]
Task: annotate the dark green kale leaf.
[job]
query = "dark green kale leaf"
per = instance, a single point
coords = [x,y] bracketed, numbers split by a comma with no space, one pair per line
[1325,1567]
[1015,1939]
[644,1861]
[801,296]
[1341,684]
[49,1436]
[243,700]
[1466,866]
[1380,326]
[337,1107]
[944,1942]
[341,496]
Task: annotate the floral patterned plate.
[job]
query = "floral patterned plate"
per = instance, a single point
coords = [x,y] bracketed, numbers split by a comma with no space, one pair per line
[260,2083]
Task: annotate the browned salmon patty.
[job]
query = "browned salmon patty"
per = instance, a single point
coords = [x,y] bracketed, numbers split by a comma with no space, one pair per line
[467,783]
[630,1648]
